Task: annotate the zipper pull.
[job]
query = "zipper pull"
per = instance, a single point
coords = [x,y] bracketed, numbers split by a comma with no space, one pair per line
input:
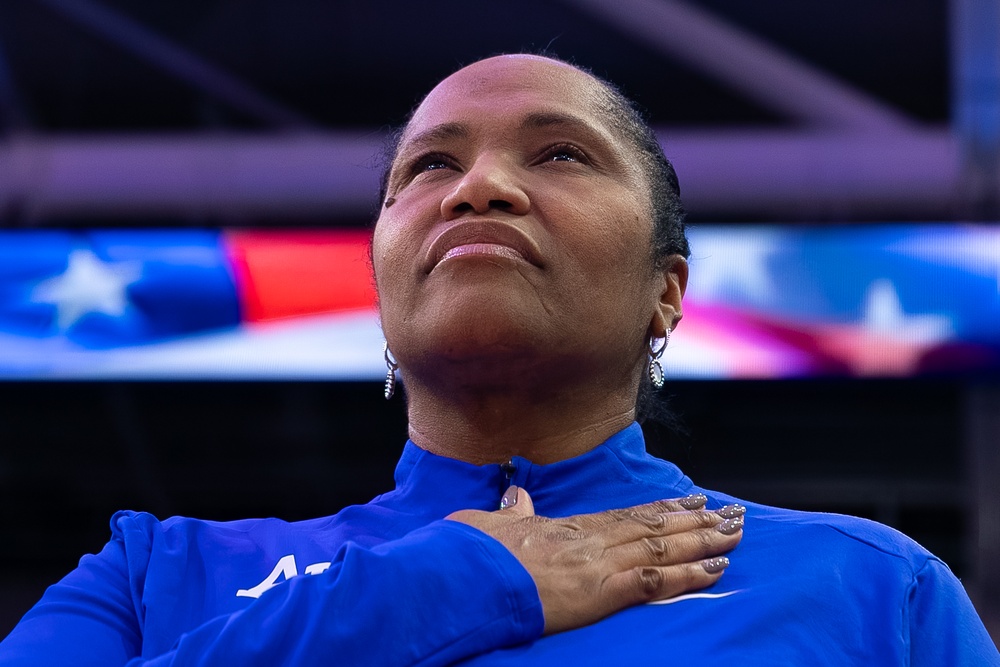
[509,469]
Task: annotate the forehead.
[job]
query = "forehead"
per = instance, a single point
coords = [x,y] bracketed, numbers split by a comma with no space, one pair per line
[509,87]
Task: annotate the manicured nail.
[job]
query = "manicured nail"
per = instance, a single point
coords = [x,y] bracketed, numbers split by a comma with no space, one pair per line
[730,526]
[509,498]
[693,502]
[731,511]
[717,564]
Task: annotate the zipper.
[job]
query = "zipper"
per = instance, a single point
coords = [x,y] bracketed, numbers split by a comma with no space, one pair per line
[509,469]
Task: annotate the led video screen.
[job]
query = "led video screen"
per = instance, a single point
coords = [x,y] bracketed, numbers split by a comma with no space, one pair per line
[762,302]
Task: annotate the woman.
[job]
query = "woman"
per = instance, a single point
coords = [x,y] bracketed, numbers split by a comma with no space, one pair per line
[529,258]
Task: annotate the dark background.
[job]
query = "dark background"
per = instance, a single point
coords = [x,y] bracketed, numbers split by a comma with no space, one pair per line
[900,451]
[360,64]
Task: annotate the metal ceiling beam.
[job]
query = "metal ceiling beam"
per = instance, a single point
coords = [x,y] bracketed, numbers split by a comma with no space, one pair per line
[975,39]
[816,174]
[301,174]
[746,63]
[749,173]
[178,62]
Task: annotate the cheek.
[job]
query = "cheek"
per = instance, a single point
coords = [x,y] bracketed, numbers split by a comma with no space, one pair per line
[396,244]
[379,258]
[610,236]
[628,234]
[389,244]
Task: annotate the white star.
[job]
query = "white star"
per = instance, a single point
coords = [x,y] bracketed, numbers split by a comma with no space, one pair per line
[884,315]
[887,341]
[87,286]
[728,262]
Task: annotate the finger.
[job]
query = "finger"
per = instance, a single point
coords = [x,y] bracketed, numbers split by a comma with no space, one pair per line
[475,518]
[646,584]
[638,524]
[517,501]
[597,519]
[642,526]
[686,547]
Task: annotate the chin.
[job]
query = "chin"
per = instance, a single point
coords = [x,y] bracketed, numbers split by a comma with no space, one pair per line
[484,332]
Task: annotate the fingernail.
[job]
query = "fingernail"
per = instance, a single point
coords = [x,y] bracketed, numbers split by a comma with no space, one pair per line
[730,526]
[717,564]
[509,498]
[694,501]
[731,511]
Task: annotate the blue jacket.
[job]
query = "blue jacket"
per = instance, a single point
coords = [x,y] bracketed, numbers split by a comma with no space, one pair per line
[391,583]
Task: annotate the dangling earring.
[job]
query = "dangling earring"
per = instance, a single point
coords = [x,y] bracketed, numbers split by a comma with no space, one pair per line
[390,374]
[655,369]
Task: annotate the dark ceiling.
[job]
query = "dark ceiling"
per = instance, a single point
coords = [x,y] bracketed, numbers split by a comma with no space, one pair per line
[364,64]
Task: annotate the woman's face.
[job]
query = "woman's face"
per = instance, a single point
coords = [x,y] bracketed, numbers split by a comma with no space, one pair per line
[520,226]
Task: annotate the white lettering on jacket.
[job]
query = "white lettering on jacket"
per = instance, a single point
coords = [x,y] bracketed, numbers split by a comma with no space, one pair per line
[284,570]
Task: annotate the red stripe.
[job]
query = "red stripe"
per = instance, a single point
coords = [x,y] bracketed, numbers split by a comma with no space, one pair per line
[282,274]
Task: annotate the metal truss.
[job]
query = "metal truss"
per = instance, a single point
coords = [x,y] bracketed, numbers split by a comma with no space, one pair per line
[849,155]
[177,61]
[746,63]
[769,172]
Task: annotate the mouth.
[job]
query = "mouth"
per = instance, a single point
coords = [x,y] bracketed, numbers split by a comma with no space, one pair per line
[486,238]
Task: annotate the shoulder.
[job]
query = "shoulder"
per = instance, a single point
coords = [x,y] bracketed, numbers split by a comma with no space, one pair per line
[832,535]
[141,532]
[864,532]
[859,588]
[176,539]
[129,524]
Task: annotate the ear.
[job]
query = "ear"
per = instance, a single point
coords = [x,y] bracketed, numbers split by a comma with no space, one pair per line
[668,313]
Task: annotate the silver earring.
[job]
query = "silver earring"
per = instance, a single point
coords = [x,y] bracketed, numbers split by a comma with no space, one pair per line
[655,369]
[390,373]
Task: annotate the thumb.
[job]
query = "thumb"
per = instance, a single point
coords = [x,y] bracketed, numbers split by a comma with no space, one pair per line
[517,501]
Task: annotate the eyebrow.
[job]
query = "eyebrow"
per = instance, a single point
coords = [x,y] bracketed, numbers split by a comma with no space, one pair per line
[438,133]
[541,120]
[600,138]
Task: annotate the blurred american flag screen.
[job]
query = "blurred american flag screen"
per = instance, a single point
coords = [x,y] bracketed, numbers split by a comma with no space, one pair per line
[762,302]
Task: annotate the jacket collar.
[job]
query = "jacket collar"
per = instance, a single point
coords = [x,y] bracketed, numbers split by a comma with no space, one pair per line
[616,473]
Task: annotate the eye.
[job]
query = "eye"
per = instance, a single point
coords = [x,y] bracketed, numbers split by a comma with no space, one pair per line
[432,162]
[564,153]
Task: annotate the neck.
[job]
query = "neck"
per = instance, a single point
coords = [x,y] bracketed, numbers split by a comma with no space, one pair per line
[490,426]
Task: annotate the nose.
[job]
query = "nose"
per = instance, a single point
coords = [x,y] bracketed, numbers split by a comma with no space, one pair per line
[489,184]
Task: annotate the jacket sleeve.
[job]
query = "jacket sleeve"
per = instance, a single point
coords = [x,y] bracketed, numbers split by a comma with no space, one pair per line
[441,593]
[943,624]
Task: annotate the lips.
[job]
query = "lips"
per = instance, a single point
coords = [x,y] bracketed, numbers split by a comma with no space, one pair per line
[484,238]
